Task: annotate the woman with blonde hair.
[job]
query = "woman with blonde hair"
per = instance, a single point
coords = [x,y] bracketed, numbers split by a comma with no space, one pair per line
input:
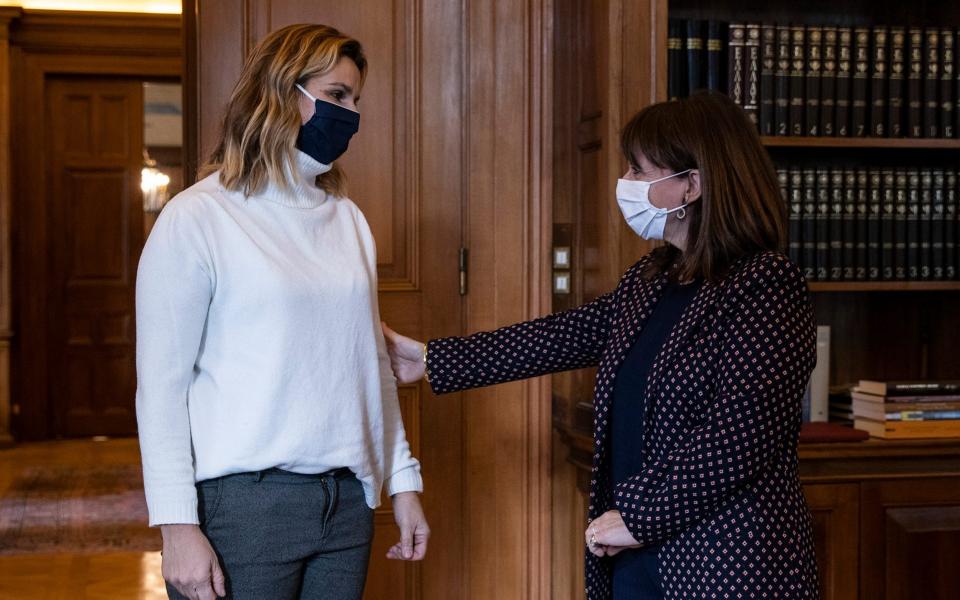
[268,413]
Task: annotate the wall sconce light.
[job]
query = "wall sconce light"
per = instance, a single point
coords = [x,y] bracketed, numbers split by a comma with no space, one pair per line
[153,184]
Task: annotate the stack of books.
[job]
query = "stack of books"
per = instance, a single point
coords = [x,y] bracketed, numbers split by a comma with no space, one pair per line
[907,409]
[841,406]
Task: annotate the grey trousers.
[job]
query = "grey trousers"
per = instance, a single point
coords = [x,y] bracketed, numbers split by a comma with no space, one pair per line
[284,536]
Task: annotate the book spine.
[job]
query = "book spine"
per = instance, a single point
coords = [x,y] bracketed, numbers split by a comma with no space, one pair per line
[675,78]
[951,212]
[938,258]
[926,224]
[735,61]
[914,82]
[909,388]
[869,202]
[783,180]
[947,67]
[820,377]
[781,82]
[844,73]
[895,82]
[878,83]
[694,46]
[795,217]
[716,38]
[768,60]
[838,268]
[956,88]
[861,64]
[814,67]
[913,224]
[823,225]
[828,82]
[797,62]
[888,226]
[810,224]
[751,75]
[931,77]
[900,226]
[851,266]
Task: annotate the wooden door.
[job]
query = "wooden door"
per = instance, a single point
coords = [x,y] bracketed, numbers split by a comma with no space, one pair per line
[95,227]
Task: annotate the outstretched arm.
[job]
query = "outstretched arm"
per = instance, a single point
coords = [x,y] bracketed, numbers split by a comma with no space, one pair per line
[571,339]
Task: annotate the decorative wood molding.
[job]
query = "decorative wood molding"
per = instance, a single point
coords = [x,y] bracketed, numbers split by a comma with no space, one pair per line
[97,33]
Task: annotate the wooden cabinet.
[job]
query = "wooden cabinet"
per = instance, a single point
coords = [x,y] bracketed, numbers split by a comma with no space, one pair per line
[886,515]
[886,518]
[836,521]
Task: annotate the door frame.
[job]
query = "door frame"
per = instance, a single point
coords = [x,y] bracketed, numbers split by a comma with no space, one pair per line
[45,44]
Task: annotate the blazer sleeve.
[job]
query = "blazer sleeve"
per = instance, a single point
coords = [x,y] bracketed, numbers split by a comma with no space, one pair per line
[768,349]
[571,339]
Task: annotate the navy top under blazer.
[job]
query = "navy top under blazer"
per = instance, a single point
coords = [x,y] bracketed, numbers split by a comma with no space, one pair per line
[636,572]
[719,492]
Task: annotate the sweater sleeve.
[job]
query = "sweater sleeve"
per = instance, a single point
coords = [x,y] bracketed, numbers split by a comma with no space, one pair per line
[768,349]
[174,291]
[401,469]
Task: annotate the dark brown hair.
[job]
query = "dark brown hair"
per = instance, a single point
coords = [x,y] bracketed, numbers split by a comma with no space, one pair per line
[740,211]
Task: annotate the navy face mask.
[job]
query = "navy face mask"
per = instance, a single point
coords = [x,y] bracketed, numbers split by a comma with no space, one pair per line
[327,134]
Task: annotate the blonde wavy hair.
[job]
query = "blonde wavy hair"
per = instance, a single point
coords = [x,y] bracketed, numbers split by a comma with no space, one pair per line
[260,127]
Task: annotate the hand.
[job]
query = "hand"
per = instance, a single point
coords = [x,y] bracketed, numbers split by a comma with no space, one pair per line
[607,535]
[190,564]
[414,531]
[406,356]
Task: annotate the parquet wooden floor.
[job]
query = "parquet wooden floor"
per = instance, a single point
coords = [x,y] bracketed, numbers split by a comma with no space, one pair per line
[75,575]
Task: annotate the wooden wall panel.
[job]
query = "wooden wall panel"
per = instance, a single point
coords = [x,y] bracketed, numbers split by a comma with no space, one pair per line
[6,201]
[449,154]
[604,72]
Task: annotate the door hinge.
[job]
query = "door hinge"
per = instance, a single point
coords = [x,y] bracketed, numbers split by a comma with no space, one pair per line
[463,271]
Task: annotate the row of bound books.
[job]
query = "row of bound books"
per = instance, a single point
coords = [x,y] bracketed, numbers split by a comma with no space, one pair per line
[828,81]
[873,223]
[907,409]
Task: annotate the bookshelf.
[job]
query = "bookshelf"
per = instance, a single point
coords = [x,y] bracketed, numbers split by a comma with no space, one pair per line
[882,327]
[884,511]
[884,286]
[774,141]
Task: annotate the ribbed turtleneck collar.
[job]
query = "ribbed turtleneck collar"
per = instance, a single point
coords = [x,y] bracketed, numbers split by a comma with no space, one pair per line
[303,191]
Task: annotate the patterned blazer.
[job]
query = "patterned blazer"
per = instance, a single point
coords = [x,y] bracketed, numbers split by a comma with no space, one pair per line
[720,492]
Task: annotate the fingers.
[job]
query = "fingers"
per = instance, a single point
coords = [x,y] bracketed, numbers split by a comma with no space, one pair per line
[406,541]
[219,581]
[388,333]
[395,553]
[205,591]
[420,539]
[417,549]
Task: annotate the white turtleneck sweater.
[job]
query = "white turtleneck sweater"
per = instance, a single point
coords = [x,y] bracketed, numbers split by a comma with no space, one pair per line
[259,344]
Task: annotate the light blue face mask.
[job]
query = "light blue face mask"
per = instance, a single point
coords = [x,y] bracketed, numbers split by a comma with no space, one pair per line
[645,219]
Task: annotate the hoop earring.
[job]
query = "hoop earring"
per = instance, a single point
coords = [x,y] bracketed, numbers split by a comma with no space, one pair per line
[683,211]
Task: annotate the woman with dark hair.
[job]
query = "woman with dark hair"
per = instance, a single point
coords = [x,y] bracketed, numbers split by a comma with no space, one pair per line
[268,414]
[703,349]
